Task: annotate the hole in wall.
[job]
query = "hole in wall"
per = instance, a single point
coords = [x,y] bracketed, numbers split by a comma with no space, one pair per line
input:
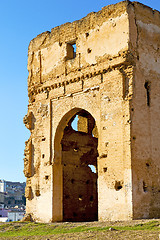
[74,49]
[147,164]
[118,185]
[145,188]
[37,192]
[106,144]
[105,169]
[43,155]
[148,88]
[72,180]
[83,122]
[71,50]
[46,177]
[87,34]
[74,123]
[92,167]
[103,155]
[75,149]
[43,139]
[89,50]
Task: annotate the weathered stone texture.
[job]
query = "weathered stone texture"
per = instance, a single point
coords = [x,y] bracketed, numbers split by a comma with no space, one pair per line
[110,83]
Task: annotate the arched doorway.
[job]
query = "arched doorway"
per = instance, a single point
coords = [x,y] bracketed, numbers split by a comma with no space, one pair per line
[76,143]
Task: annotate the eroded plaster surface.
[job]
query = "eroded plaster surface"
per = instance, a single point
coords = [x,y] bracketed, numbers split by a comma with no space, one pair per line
[110,84]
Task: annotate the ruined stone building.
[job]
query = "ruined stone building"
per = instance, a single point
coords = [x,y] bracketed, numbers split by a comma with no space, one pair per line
[103,70]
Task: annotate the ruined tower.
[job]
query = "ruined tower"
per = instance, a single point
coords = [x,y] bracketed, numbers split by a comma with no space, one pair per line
[102,74]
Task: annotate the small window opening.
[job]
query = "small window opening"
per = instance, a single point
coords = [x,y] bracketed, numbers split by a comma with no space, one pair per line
[71,50]
[105,169]
[43,155]
[148,88]
[93,168]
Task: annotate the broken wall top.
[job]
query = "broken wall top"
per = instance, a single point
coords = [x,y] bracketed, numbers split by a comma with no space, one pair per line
[102,37]
[69,31]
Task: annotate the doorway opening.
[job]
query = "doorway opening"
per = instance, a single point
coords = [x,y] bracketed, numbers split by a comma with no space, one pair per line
[79,154]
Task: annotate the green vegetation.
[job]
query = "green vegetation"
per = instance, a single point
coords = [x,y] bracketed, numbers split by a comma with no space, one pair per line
[40,229]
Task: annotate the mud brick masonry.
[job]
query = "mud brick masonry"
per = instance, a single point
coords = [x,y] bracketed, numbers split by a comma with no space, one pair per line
[104,71]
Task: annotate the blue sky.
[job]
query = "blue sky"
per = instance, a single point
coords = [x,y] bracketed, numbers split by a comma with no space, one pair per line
[20,22]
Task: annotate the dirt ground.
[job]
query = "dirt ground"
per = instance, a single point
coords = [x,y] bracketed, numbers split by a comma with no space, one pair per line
[98,235]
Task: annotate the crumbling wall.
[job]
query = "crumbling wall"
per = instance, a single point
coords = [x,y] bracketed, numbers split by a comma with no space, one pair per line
[113,77]
[145,132]
[98,37]
[62,82]
[37,162]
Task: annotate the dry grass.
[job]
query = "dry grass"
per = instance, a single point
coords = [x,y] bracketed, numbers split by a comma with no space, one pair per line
[139,229]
